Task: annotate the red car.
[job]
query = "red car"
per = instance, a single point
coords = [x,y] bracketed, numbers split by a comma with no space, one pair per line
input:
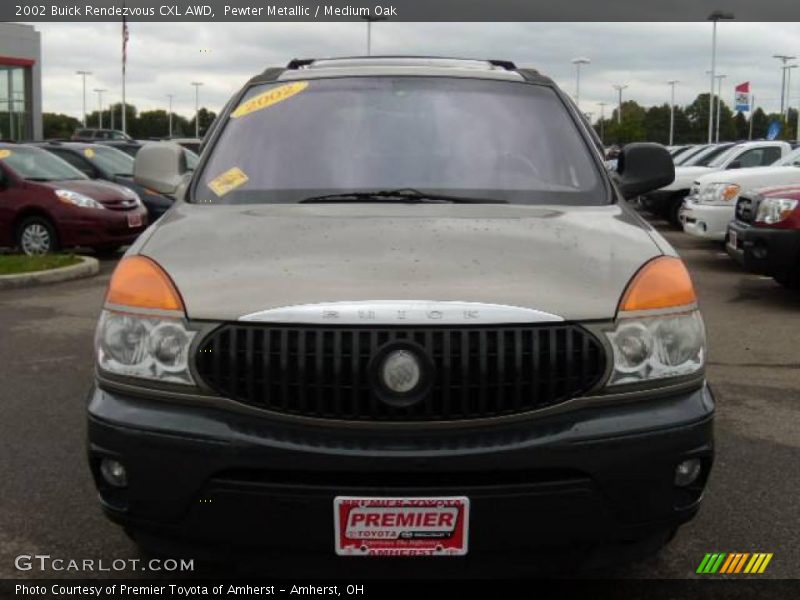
[47,204]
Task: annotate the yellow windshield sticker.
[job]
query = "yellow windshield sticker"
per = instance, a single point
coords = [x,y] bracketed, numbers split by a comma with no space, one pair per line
[88,153]
[267,99]
[228,181]
[4,153]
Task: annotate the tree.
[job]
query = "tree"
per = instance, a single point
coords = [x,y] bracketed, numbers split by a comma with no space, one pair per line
[57,125]
[741,127]
[206,118]
[760,124]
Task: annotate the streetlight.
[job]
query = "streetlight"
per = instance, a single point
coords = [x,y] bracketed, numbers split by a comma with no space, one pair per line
[788,70]
[671,84]
[715,16]
[100,104]
[83,74]
[602,106]
[784,58]
[578,62]
[197,85]
[719,79]
[170,114]
[619,89]
[370,20]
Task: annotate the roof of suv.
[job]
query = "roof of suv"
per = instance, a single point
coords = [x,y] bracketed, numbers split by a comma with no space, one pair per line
[430,66]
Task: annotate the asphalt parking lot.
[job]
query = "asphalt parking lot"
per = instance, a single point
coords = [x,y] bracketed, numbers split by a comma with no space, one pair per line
[753,500]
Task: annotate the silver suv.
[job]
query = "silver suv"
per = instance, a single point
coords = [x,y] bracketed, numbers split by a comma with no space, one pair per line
[400,310]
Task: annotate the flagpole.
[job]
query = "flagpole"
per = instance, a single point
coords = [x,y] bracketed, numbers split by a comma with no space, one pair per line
[752,112]
[124,60]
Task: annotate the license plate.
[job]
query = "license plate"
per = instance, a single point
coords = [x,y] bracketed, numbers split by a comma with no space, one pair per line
[732,241]
[135,220]
[401,526]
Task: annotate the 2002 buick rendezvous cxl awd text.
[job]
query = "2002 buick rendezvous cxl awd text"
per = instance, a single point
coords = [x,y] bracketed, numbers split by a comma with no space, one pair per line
[400,309]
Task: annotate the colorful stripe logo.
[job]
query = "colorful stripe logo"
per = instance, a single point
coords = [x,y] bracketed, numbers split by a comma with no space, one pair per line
[734,563]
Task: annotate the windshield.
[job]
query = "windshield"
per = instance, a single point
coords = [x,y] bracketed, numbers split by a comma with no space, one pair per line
[38,165]
[460,137]
[110,160]
[684,157]
[191,159]
[721,159]
[702,159]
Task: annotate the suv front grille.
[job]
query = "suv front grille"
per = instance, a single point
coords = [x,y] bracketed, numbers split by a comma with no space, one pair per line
[326,372]
[746,209]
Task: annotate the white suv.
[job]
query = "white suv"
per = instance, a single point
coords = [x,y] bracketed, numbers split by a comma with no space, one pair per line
[711,202]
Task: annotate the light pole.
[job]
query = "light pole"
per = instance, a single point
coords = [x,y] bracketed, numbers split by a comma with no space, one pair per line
[170,114]
[197,85]
[578,62]
[619,89]
[370,20]
[671,84]
[719,79]
[714,17]
[602,106]
[100,105]
[784,58]
[788,70]
[83,74]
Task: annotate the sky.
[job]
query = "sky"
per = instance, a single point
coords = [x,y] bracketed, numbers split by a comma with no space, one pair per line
[164,58]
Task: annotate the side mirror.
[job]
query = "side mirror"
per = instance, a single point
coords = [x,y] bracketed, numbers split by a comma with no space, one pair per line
[643,167]
[160,166]
[735,165]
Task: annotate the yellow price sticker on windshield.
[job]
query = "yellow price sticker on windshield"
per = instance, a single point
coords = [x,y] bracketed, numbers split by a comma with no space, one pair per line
[88,153]
[4,153]
[228,181]
[269,98]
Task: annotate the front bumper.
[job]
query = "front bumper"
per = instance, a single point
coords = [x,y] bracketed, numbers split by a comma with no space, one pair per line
[201,474]
[706,221]
[101,228]
[657,202]
[764,250]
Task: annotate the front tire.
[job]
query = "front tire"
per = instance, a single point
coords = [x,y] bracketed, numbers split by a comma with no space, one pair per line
[36,236]
[674,211]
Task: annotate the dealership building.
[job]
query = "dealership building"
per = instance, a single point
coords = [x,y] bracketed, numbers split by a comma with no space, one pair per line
[20,82]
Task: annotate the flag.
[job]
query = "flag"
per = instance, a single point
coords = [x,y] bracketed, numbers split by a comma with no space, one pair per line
[742,97]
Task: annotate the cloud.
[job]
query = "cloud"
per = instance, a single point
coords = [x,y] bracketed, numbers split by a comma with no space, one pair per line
[164,58]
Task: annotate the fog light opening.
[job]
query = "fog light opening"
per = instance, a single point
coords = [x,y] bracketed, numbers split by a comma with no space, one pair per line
[687,472]
[114,472]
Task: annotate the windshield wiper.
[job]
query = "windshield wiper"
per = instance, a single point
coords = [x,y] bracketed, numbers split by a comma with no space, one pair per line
[404,195]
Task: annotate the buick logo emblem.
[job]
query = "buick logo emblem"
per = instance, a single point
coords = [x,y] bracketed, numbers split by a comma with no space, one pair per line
[400,371]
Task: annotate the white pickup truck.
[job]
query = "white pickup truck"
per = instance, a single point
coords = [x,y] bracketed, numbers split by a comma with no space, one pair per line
[668,200]
[711,202]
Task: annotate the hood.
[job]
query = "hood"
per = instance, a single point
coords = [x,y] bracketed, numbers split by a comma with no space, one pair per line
[753,177]
[230,261]
[685,176]
[102,191]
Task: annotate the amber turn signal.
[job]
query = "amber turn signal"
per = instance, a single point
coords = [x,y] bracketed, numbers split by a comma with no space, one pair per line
[663,282]
[138,281]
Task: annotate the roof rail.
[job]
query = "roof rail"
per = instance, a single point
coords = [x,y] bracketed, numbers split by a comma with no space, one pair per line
[299,63]
[503,64]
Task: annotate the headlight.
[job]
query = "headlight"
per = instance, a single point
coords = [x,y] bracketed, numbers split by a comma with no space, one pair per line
[77,199]
[694,190]
[656,347]
[719,193]
[774,210]
[147,347]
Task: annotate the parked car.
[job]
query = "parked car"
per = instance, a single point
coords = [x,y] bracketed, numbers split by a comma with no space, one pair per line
[93,134]
[192,144]
[47,204]
[401,286]
[706,155]
[711,203]
[131,148]
[686,152]
[98,161]
[667,201]
[764,237]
